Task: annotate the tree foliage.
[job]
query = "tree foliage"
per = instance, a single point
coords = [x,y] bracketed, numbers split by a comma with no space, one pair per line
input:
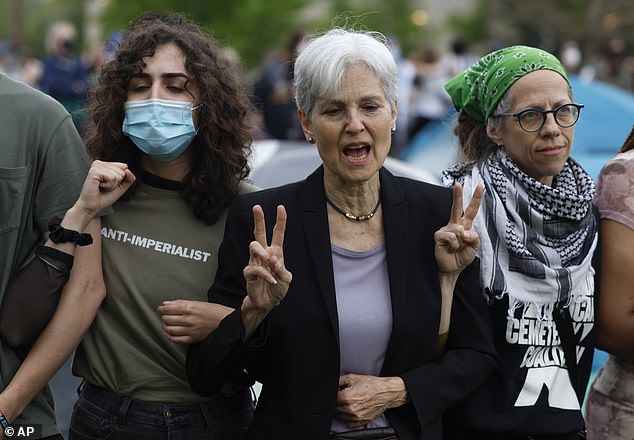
[547,23]
[35,19]
[252,27]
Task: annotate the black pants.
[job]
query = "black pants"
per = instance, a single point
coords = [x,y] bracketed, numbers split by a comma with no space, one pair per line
[102,414]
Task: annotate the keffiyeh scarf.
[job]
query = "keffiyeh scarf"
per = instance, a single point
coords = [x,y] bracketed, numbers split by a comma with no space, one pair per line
[537,241]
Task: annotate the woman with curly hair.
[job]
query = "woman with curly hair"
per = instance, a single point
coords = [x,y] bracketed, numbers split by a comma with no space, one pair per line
[169,106]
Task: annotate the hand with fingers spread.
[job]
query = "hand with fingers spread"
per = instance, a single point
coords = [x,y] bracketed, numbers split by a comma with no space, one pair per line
[187,322]
[457,243]
[267,279]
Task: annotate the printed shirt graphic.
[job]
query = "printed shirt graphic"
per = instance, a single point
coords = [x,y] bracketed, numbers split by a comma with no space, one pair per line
[155,245]
[532,393]
[543,360]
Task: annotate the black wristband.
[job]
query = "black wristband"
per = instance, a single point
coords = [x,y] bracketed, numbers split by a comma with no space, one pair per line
[60,235]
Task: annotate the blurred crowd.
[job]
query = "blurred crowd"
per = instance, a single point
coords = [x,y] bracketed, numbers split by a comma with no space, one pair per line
[423,72]
[66,73]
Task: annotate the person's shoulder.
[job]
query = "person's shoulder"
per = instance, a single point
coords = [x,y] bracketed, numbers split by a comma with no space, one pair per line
[620,165]
[21,97]
[626,159]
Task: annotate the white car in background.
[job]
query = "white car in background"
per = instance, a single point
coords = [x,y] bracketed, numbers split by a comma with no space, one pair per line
[275,162]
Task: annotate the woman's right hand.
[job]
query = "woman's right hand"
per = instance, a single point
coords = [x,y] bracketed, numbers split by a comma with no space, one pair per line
[457,243]
[104,184]
[266,276]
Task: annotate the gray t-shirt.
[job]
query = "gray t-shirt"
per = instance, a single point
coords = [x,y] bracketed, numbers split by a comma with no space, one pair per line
[43,163]
[364,308]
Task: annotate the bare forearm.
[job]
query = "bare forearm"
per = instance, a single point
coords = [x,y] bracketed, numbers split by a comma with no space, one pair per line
[75,219]
[616,303]
[614,333]
[78,305]
[395,392]
[42,363]
[447,286]
[252,317]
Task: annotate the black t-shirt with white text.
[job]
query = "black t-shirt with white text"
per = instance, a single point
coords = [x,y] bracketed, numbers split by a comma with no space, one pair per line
[531,392]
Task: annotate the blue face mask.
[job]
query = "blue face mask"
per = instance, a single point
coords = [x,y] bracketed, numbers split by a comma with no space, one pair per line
[161,129]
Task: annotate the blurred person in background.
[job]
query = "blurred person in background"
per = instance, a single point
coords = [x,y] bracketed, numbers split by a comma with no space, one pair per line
[169,106]
[350,347]
[613,67]
[610,402]
[405,71]
[459,57]
[538,236]
[65,76]
[571,56]
[9,63]
[19,64]
[273,90]
[429,100]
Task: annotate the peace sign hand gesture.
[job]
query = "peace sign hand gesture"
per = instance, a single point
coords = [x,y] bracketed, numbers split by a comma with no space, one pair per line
[456,243]
[267,279]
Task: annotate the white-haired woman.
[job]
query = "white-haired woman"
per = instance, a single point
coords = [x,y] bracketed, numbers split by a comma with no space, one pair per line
[348,349]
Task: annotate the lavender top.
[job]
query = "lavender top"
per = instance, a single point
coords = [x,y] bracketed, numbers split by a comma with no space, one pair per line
[364,308]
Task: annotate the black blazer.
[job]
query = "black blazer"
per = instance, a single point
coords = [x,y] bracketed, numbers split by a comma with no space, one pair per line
[295,352]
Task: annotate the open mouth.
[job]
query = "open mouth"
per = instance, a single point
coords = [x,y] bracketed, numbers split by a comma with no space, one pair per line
[357,153]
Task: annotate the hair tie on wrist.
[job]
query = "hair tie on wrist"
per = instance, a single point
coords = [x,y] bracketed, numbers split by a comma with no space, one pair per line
[3,421]
[58,234]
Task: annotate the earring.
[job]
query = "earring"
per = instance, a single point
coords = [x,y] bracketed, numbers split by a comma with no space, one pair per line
[393,129]
[311,140]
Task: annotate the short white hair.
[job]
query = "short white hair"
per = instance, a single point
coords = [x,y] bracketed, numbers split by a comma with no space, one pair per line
[322,64]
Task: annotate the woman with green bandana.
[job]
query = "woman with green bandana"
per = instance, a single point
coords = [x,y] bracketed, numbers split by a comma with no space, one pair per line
[516,118]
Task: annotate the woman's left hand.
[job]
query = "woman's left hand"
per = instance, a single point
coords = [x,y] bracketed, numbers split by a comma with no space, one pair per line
[362,399]
[456,243]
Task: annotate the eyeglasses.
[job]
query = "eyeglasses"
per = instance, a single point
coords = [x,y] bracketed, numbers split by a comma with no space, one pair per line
[533,119]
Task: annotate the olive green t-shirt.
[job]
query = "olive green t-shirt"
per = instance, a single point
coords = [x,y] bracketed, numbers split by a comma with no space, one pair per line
[43,163]
[154,249]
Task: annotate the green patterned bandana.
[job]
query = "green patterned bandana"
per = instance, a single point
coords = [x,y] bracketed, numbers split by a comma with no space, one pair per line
[480,87]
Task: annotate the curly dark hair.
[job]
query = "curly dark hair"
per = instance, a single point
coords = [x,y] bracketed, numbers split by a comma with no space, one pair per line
[223,142]
[472,136]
